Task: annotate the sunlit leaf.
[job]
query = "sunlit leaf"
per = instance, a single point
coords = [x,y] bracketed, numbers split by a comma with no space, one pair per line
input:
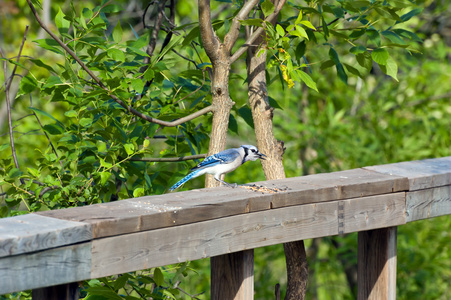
[380,55]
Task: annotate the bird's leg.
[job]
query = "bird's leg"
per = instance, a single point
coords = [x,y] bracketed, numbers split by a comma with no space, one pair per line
[232,185]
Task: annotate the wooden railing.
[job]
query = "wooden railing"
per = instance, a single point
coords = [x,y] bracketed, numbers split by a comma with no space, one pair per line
[58,248]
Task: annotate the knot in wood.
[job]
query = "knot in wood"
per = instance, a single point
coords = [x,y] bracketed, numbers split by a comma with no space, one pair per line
[218,91]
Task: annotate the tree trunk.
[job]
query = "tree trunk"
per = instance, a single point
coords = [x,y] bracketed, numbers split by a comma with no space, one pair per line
[262,113]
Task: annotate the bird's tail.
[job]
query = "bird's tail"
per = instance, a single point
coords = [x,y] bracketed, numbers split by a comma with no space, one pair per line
[193,174]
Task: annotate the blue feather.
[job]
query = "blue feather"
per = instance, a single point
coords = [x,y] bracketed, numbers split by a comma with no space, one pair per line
[222,157]
[185,179]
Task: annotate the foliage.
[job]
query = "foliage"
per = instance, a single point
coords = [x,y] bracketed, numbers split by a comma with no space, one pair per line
[95,149]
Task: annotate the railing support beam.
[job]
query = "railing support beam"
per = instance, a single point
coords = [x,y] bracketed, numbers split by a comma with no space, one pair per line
[232,276]
[376,274]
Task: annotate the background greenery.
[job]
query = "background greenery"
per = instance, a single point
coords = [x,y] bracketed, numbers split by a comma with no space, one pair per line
[371,119]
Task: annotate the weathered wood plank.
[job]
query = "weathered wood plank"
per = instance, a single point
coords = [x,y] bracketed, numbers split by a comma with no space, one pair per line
[428,203]
[113,255]
[376,266]
[45,268]
[370,212]
[32,232]
[422,174]
[174,209]
[232,276]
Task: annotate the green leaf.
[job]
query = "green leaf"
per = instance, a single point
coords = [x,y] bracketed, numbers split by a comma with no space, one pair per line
[49,44]
[71,114]
[233,124]
[138,85]
[307,80]
[273,102]
[374,36]
[61,23]
[252,22]
[393,37]
[357,33]
[190,36]
[87,13]
[34,172]
[138,192]
[86,122]
[246,113]
[308,25]
[280,30]
[300,51]
[105,164]
[14,172]
[158,277]
[44,113]
[327,64]
[149,74]
[52,81]
[411,14]
[121,281]
[357,49]
[352,70]
[380,56]
[325,28]
[129,148]
[299,18]
[364,59]
[390,68]
[340,70]
[116,54]
[267,8]
[146,143]
[37,3]
[300,32]
[53,129]
[407,34]
[104,176]
[27,85]
[4,147]
[117,32]
[39,63]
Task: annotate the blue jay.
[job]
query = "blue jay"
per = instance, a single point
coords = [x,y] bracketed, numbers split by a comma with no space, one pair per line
[223,162]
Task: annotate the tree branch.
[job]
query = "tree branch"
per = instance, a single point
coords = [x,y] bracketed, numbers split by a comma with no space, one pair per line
[101,85]
[256,34]
[8,103]
[156,29]
[232,35]
[208,35]
[169,159]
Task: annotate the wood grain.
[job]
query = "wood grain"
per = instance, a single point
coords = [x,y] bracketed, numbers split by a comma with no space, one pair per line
[376,274]
[125,253]
[46,268]
[146,213]
[232,276]
[32,232]
[422,174]
[428,203]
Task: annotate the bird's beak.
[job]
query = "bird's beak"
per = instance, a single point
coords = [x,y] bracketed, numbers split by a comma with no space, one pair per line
[262,156]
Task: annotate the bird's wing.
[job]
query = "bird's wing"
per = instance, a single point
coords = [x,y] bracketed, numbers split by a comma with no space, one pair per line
[222,157]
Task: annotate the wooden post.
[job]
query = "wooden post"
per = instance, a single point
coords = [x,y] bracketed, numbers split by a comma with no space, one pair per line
[69,291]
[376,274]
[232,276]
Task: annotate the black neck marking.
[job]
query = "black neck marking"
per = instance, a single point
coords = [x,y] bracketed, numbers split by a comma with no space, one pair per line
[246,153]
